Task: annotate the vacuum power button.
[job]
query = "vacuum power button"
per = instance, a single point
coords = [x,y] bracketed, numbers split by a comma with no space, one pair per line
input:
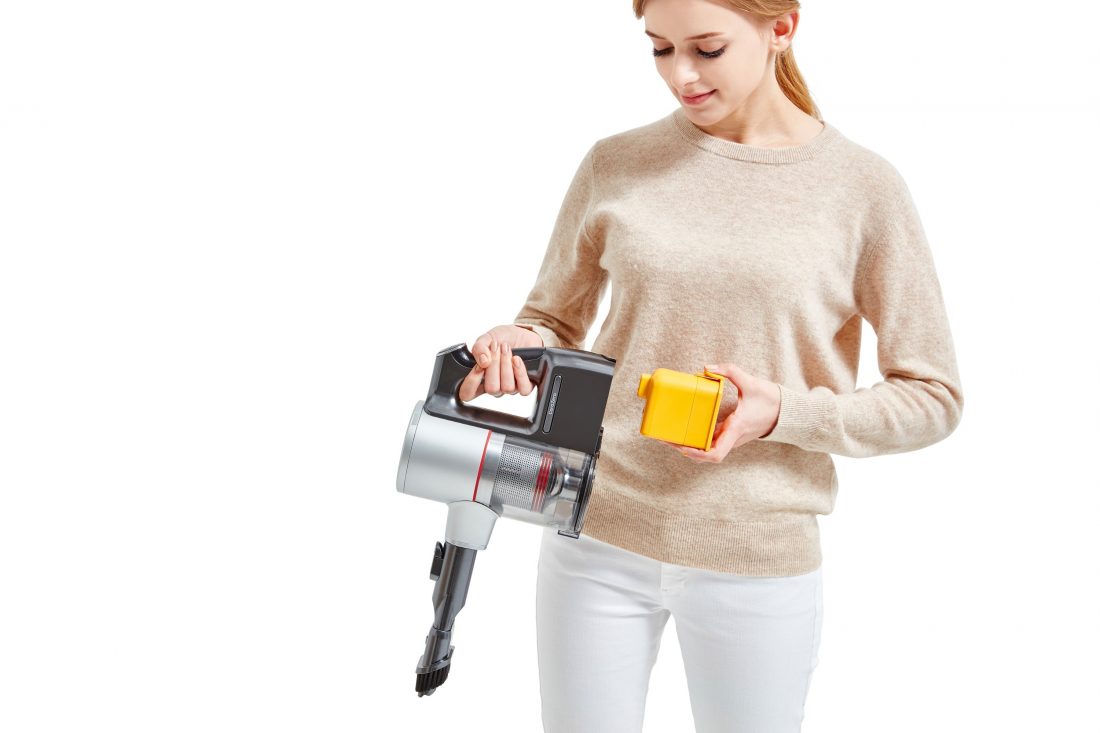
[553,404]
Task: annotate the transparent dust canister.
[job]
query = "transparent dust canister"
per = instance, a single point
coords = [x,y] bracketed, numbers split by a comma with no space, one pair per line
[542,484]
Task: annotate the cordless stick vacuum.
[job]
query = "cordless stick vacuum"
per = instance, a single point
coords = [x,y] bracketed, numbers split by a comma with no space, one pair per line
[485,464]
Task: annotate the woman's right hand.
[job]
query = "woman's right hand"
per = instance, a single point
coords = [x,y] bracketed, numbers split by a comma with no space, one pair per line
[498,370]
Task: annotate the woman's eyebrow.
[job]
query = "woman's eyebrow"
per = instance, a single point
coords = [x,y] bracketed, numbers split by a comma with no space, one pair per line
[692,38]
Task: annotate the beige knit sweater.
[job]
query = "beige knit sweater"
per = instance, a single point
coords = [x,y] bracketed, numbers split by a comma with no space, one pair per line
[768,258]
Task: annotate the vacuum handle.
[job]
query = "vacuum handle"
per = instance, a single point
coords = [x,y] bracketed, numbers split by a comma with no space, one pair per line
[573,390]
[532,359]
[453,365]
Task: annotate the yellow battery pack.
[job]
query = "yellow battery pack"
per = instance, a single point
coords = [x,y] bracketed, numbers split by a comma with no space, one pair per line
[681,408]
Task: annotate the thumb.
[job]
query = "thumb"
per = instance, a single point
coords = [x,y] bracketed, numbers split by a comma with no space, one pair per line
[481,348]
[737,376]
[731,371]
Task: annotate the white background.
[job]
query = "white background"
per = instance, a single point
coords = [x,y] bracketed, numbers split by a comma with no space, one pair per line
[235,234]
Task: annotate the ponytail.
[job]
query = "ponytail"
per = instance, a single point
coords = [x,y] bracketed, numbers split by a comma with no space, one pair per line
[793,85]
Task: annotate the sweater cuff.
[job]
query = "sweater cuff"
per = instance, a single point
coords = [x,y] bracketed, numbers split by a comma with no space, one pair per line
[549,338]
[800,418]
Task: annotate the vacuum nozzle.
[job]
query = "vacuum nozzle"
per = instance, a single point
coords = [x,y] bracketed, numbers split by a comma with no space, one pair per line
[452,567]
[426,682]
[435,664]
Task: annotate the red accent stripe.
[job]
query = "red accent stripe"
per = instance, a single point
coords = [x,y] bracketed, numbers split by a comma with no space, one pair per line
[488,434]
[540,483]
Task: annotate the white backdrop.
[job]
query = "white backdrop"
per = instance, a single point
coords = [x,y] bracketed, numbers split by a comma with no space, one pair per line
[234,235]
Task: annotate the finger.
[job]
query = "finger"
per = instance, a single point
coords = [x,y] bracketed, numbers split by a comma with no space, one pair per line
[523,382]
[507,374]
[726,368]
[730,371]
[472,385]
[738,377]
[492,371]
[480,349]
[696,454]
[726,436]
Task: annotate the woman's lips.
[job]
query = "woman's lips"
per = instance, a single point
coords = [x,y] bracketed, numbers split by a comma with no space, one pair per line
[698,99]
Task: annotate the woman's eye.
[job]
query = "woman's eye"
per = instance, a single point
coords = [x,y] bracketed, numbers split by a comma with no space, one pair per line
[704,54]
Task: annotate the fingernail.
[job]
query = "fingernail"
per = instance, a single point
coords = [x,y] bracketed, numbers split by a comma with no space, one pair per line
[483,359]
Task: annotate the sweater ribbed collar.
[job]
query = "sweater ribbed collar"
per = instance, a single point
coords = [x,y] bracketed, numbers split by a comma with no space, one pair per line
[752,153]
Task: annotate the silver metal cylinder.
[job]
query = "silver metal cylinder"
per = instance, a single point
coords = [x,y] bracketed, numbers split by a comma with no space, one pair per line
[449,461]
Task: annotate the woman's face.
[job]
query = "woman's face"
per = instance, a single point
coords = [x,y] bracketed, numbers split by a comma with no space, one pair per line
[726,67]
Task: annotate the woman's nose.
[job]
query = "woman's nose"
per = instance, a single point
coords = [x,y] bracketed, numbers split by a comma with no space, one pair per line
[683,72]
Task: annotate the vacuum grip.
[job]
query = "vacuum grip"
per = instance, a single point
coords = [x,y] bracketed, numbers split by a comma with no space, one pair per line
[532,359]
[453,365]
[573,390]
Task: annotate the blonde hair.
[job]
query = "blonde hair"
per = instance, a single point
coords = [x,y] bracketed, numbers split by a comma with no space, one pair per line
[786,70]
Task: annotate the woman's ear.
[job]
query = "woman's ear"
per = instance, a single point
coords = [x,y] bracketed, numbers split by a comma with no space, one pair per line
[782,31]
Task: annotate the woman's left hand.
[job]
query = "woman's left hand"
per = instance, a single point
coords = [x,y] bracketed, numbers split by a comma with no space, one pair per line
[755,416]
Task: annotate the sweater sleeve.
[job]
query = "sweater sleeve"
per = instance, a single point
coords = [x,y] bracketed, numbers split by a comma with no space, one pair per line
[919,401]
[563,302]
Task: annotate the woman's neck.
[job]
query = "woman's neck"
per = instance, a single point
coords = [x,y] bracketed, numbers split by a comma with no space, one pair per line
[767,119]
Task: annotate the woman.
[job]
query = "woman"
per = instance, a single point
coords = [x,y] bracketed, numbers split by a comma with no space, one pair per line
[743,234]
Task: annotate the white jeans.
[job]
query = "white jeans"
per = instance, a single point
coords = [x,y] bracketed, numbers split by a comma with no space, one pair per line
[749,643]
